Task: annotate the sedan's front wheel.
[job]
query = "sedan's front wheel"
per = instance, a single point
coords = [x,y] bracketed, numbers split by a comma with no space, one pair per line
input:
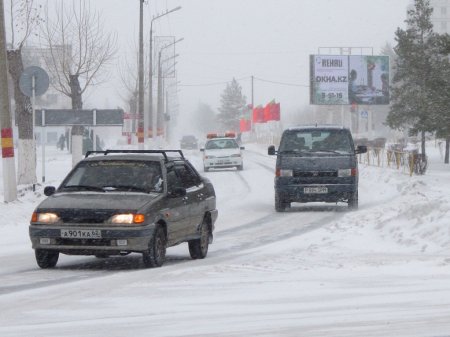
[46,258]
[199,248]
[156,253]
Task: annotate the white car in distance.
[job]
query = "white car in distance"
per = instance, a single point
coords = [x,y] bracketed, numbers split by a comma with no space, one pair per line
[222,152]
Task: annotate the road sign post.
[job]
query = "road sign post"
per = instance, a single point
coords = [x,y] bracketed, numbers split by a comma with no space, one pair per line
[34,81]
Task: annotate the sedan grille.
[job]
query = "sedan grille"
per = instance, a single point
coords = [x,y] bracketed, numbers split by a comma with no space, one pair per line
[85,215]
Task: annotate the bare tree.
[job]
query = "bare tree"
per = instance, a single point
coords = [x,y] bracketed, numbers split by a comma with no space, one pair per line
[24,19]
[78,49]
[128,75]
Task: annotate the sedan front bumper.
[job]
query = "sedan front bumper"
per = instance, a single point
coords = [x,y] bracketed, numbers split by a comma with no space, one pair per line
[112,239]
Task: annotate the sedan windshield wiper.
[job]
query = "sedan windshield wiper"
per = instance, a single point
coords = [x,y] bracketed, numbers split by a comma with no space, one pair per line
[125,188]
[84,187]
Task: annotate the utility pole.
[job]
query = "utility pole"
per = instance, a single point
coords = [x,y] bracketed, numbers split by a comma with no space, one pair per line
[141,78]
[8,163]
[252,92]
[160,99]
[152,120]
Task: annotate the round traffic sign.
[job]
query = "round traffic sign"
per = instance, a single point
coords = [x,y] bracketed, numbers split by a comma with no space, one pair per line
[41,81]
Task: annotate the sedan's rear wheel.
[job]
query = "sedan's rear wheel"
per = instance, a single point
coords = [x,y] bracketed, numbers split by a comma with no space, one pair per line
[199,248]
[156,253]
[46,258]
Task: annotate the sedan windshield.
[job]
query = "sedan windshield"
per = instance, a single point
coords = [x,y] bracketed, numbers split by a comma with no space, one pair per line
[218,144]
[115,175]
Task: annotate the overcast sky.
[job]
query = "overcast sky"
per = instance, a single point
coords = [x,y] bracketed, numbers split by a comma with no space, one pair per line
[269,39]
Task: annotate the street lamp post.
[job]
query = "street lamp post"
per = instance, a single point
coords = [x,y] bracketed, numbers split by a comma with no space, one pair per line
[150,75]
[141,78]
[159,103]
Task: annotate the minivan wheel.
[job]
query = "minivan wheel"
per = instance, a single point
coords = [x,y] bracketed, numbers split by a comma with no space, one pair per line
[353,201]
[46,258]
[198,248]
[156,253]
[280,203]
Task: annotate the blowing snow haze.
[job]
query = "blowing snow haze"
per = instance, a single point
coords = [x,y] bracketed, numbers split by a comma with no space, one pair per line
[269,39]
[269,221]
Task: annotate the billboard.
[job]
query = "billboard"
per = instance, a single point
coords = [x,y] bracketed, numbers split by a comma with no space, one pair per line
[349,79]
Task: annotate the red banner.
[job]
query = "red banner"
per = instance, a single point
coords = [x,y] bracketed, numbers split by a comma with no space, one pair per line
[258,114]
[271,112]
[245,125]
[275,111]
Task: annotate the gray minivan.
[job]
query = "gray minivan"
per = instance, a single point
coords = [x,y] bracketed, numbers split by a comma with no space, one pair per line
[316,163]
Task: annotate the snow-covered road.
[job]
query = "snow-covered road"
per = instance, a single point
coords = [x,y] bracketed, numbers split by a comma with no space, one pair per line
[317,270]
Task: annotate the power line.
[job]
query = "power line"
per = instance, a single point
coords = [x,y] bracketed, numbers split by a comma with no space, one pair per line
[282,83]
[212,83]
[244,78]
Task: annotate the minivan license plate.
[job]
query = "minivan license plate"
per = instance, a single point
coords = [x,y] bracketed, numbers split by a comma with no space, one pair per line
[81,233]
[317,190]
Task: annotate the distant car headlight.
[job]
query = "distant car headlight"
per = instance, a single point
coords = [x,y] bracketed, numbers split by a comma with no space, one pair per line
[210,157]
[127,218]
[45,217]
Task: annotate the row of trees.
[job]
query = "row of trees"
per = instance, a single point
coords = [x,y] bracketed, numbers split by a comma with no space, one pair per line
[75,50]
[420,99]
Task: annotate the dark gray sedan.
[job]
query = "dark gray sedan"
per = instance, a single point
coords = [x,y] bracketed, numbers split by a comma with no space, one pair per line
[117,202]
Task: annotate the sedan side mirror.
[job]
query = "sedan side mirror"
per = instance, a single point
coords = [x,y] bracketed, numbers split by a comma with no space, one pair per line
[177,192]
[202,150]
[242,147]
[49,190]
[271,150]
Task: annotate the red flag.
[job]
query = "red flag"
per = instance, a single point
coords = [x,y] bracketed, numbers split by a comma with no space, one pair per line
[258,114]
[275,111]
[267,113]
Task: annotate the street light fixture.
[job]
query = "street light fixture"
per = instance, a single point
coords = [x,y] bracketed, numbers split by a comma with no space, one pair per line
[150,76]
[157,120]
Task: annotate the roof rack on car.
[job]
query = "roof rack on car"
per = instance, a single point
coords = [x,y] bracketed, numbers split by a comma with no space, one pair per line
[163,152]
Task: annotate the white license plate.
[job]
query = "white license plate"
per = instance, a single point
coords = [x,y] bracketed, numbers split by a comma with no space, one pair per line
[81,233]
[317,190]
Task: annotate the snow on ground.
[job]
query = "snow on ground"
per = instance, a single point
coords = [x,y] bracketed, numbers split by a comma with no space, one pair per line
[316,270]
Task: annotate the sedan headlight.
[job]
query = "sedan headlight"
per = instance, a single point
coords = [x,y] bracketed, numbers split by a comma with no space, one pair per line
[236,155]
[210,157]
[45,217]
[128,218]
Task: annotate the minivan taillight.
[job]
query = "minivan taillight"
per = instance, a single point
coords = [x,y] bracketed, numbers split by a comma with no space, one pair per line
[283,173]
